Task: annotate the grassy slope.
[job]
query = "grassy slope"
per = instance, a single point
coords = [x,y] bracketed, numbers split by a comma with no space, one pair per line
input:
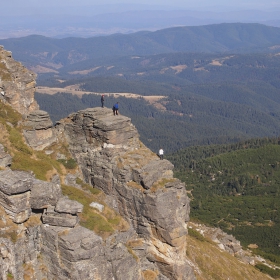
[211,263]
[45,166]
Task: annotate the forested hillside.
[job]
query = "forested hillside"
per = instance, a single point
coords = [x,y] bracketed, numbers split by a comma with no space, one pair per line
[181,121]
[210,98]
[236,187]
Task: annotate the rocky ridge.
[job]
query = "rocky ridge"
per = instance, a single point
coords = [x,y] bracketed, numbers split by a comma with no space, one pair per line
[17,84]
[40,232]
[139,185]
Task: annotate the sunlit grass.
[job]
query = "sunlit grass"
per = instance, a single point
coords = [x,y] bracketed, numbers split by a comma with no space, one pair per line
[104,223]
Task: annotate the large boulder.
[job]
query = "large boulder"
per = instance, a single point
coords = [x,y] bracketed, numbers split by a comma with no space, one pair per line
[52,217]
[38,130]
[44,194]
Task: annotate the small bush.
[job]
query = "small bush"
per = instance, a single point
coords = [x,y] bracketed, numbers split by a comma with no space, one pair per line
[8,114]
[87,187]
[10,276]
[18,143]
[275,273]
[68,163]
[192,232]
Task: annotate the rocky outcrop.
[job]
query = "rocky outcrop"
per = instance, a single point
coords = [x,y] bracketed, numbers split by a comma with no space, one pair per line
[139,185]
[15,194]
[38,130]
[5,159]
[51,244]
[17,84]
[40,234]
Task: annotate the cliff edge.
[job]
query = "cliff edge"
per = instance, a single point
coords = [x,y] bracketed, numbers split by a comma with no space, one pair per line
[138,184]
[141,209]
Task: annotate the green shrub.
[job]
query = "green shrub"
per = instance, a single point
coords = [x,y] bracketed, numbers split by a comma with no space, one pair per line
[68,163]
[87,187]
[39,166]
[10,276]
[89,218]
[275,273]
[192,232]
[16,140]
[8,114]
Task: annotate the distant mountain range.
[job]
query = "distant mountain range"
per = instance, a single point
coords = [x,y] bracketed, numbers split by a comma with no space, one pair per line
[91,21]
[216,38]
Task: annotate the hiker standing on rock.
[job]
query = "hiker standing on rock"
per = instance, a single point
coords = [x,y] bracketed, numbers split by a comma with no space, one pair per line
[116,109]
[160,153]
[102,100]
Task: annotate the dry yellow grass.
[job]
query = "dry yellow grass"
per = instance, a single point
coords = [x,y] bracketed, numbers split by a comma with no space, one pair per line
[211,263]
[150,275]
[84,72]
[41,69]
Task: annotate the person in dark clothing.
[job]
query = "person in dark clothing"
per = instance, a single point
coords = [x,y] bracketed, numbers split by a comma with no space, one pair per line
[102,100]
[116,109]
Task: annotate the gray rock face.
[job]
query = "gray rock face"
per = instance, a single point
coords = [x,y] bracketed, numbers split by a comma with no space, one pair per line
[44,194]
[15,189]
[38,120]
[151,172]
[5,159]
[113,159]
[51,217]
[15,182]
[95,127]
[17,84]
[79,253]
[65,205]
[38,130]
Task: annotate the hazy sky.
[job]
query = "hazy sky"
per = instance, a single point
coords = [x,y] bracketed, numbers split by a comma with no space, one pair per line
[199,4]
[24,17]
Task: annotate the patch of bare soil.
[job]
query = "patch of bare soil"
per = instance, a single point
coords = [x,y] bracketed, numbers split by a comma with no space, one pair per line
[75,89]
[220,61]
[84,72]
[179,68]
[274,47]
[52,91]
[200,69]
[41,69]
[216,63]
[153,100]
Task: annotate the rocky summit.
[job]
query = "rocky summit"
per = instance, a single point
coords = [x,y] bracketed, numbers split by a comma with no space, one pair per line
[139,185]
[43,234]
[17,84]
